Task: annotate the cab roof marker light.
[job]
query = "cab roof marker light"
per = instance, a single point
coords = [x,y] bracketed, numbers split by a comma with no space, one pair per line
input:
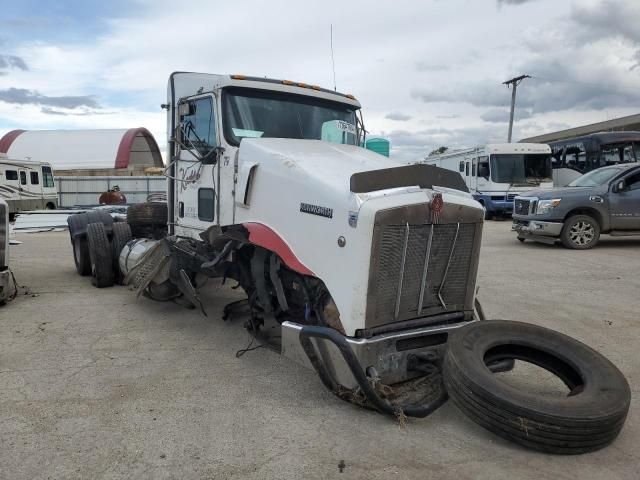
[288,82]
[303,85]
[348,95]
[315,87]
[238,77]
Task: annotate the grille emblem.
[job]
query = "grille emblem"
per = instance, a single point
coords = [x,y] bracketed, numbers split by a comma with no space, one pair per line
[436,207]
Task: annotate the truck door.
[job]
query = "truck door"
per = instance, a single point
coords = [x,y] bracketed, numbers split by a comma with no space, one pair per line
[196,169]
[624,204]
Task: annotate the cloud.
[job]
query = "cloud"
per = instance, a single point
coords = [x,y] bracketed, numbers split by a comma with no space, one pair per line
[500,115]
[23,96]
[12,61]
[400,117]
[513,2]
[429,67]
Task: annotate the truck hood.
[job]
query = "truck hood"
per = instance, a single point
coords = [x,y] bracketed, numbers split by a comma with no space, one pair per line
[322,162]
[561,192]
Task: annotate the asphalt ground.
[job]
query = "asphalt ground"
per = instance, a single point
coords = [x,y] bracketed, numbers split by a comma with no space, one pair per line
[99,384]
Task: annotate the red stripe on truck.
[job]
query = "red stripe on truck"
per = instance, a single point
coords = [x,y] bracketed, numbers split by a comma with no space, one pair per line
[263,236]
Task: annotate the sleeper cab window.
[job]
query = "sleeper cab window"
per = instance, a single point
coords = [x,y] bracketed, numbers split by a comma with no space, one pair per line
[206,205]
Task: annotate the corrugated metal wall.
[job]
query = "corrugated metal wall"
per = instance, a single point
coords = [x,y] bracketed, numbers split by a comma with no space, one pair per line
[86,190]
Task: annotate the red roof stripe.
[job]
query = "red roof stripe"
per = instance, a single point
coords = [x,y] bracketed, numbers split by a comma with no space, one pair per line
[7,140]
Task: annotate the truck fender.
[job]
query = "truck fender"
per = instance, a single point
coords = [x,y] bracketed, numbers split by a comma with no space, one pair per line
[265,237]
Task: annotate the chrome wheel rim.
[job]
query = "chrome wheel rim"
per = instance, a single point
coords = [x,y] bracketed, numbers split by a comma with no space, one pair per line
[582,233]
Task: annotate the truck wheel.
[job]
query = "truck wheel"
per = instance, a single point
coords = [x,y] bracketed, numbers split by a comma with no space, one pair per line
[587,419]
[81,255]
[121,235]
[101,253]
[521,239]
[580,232]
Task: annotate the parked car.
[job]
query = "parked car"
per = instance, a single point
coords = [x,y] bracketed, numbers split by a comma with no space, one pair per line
[606,200]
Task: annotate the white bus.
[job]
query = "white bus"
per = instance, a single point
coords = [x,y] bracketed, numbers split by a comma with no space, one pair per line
[27,185]
[496,173]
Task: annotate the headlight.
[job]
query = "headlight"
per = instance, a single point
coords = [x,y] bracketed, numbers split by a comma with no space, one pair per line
[545,206]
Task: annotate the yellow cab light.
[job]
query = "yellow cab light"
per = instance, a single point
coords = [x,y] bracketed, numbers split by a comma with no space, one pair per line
[315,87]
[239,77]
[288,82]
[348,95]
[303,85]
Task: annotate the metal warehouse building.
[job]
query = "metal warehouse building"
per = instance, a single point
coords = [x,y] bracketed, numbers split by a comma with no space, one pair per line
[86,152]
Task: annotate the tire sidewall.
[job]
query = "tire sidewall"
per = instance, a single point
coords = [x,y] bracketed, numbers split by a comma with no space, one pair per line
[566,240]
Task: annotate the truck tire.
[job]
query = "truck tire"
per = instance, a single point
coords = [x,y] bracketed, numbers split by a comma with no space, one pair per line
[121,235]
[587,419]
[101,253]
[580,232]
[81,255]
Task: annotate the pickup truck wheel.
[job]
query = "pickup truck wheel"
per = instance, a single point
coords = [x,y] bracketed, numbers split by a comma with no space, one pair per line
[521,239]
[580,232]
[101,253]
[588,418]
[121,235]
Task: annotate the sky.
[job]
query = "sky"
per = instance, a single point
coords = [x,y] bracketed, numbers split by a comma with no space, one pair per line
[428,73]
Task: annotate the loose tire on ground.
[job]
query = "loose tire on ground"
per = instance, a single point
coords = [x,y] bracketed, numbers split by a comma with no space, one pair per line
[121,235]
[587,419]
[580,232]
[101,253]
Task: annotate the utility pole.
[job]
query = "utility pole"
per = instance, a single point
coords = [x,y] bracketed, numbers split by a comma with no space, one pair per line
[515,82]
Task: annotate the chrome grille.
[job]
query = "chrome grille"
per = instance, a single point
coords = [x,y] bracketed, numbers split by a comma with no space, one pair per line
[521,207]
[421,270]
[511,197]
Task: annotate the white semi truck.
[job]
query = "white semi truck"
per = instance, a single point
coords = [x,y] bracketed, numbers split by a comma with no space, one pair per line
[354,265]
[496,173]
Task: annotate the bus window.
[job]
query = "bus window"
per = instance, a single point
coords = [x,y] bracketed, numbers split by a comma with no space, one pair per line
[35,180]
[610,155]
[576,158]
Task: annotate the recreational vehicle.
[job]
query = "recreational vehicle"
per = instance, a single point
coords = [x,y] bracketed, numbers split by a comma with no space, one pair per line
[496,173]
[27,185]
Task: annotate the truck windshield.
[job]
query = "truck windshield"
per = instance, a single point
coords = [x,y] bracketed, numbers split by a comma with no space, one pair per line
[596,177]
[267,114]
[530,169]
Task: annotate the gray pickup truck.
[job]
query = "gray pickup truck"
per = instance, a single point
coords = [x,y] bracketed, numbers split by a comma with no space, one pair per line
[606,200]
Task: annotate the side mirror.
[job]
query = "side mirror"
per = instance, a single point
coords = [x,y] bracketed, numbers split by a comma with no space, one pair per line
[620,186]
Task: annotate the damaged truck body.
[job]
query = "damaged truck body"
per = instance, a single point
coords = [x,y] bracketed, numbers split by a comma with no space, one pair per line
[364,264]
[354,265]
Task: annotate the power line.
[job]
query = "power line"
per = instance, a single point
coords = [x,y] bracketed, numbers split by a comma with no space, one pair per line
[515,82]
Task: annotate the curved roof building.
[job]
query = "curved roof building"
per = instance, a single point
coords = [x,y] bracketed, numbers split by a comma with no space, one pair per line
[130,149]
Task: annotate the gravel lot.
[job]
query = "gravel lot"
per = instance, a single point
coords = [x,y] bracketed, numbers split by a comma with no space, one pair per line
[97,384]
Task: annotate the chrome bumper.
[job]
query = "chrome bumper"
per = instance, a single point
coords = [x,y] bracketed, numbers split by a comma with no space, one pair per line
[387,353]
[536,227]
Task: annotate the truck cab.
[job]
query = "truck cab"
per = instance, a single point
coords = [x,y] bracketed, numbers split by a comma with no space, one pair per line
[605,200]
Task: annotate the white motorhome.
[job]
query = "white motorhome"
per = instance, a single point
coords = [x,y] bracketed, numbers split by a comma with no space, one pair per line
[496,173]
[27,185]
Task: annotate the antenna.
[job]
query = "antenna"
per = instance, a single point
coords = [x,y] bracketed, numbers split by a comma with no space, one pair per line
[333,63]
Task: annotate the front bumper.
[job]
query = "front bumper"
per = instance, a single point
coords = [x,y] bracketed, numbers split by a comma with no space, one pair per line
[533,228]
